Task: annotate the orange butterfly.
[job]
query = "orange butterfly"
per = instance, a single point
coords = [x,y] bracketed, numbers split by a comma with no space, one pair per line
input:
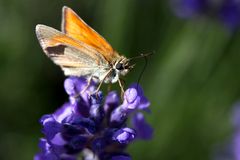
[81,51]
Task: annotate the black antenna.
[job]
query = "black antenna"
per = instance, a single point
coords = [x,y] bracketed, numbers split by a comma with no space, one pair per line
[144,67]
[141,56]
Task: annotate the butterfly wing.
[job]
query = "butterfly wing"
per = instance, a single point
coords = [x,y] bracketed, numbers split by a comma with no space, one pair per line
[75,27]
[74,57]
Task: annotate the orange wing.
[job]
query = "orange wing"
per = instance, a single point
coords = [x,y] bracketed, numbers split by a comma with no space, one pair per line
[54,43]
[75,27]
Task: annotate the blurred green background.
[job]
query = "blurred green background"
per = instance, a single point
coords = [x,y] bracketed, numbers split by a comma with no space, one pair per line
[192,80]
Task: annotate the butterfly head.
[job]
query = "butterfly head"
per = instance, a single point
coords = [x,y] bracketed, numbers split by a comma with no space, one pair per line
[122,66]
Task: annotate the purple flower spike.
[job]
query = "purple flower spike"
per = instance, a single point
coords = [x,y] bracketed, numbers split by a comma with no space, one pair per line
[124,135]
[86,124]
[143,129]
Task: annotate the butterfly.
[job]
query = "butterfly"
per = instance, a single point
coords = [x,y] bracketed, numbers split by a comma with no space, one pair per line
[80,51]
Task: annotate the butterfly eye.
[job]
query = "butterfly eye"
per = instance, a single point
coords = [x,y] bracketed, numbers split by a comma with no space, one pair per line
[119,66]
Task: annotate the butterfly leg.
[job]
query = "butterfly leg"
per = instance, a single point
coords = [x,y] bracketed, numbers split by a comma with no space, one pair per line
[121,86]
[88,84]
[99,86]
[101,82]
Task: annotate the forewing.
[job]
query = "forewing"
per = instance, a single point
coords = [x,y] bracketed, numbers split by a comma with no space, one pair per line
[74,57]
[75,27]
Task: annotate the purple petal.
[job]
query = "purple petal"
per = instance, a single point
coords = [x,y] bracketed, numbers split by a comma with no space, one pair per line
[43,145]
[97,113]
[45,153]
[82,122]
[143,129]
[81,106]
[144,104]
[96,109]
[50,126]
[134,99]
[112,98]
[65,111]
[52,152]
[131,95]
[111,102]
[118,117]
[58,140]
[76,144]
[46,118]
[124,135]
[69,131]
[74,85]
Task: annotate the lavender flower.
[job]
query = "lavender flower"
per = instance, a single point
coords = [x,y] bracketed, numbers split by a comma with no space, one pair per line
[236,135]
[236,116]
[226,11]
[92,127]
[188,8]
[236,145]
[231,150]
[229,13]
